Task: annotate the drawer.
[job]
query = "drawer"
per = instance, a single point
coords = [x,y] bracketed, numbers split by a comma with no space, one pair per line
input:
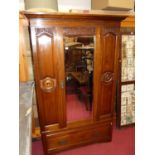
[60,141]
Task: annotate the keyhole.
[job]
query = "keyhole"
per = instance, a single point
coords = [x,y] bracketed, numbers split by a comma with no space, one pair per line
[62,142]
[96,134]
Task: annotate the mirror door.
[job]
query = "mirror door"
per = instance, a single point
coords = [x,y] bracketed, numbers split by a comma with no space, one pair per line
[79,55]
[79,51]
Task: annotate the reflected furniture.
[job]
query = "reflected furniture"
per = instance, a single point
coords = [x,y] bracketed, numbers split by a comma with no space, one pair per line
[47,31]
[84,88]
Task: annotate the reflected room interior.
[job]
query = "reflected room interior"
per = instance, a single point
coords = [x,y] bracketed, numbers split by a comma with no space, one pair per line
[78,52]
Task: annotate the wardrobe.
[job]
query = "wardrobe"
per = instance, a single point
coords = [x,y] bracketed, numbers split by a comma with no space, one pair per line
[58,51]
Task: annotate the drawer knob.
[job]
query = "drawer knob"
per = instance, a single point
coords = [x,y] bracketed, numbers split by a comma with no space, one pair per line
[97,134]
[63,142]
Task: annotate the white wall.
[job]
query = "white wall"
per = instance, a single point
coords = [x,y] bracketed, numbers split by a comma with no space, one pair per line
[66,5]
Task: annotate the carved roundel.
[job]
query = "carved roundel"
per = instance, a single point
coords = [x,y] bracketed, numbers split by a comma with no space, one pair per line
[48,84]
[107,77]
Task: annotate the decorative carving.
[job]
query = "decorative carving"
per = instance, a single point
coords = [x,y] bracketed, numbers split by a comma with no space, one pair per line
[109,34]
[48,84]
[48,31]
[111,28]
[107,77]
[74,31]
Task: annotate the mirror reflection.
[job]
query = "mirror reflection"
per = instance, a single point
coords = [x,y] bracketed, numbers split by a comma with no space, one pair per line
[79,53]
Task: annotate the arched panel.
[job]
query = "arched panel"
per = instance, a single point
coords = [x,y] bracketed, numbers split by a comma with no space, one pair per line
[45,47]
[46,60]
[108,42]
[108,50]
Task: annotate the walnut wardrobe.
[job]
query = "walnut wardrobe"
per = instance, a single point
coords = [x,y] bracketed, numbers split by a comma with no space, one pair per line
[57,50]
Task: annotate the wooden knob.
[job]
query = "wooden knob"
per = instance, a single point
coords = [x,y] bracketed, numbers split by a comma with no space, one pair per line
[63,142]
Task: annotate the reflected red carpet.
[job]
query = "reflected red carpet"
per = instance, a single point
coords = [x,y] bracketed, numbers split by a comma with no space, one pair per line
[76,109]
[123,143]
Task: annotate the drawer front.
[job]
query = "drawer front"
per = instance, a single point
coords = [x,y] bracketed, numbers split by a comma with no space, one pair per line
[63,140]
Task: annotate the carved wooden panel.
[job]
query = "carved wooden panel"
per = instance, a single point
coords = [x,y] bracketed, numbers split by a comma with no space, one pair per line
[48,84]
[48,31]
[111,27]
[108,44]
[45,54]
[45,46]
[107,77]
[74,31]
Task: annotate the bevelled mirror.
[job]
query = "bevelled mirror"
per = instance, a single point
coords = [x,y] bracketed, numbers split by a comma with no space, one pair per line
[79,58]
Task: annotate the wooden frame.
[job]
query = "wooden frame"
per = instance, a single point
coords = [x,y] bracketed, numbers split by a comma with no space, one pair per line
[124,108]
[23,67]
